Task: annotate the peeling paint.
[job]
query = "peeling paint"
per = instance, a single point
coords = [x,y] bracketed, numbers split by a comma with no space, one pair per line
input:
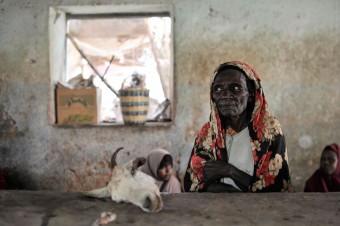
[8,129]
[305,141]
[89,177]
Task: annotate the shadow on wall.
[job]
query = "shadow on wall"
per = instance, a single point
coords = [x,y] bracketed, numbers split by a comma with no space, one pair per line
[10,179]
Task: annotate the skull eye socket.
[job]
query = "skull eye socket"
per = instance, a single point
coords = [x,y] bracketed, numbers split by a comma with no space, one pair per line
[147,203]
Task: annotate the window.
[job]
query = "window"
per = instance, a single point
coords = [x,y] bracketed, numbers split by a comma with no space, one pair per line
[106,46]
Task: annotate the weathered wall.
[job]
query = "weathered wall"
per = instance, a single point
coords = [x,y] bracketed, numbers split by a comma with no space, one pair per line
[294,45]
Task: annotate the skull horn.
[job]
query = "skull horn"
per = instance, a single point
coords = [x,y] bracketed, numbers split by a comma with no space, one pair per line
[113,158]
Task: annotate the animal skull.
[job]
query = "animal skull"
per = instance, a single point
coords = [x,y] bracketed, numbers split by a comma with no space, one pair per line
[128,184]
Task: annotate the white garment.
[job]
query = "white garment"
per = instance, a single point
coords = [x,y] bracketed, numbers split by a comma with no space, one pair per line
[240,154]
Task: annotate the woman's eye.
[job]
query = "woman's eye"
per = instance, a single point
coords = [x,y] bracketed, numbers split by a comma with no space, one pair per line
[217,89]
[331,160]
[236,88]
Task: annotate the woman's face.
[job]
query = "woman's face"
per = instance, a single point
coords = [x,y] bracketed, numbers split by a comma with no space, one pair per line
[329,161]
[165,173]
[230,92]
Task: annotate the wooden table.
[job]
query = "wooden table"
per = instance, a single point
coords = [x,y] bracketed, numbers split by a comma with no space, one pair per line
[49,208]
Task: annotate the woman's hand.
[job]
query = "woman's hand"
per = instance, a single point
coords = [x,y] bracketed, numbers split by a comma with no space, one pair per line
[215,170]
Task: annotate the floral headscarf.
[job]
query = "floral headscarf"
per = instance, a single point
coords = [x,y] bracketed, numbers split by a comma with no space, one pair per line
[271,171]
[321,182]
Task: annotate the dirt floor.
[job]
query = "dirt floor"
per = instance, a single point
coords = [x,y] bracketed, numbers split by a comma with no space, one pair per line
[46,208]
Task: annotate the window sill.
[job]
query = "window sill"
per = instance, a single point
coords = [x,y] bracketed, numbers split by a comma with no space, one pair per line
[118,124]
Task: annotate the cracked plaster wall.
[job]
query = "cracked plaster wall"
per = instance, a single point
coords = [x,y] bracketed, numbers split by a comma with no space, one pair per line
[293,45]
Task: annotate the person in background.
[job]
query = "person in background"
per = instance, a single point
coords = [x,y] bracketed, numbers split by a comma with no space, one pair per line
[327,177]
[242,147]
[159,165]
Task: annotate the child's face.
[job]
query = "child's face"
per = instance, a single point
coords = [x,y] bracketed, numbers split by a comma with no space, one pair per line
[165,173]
[329,161]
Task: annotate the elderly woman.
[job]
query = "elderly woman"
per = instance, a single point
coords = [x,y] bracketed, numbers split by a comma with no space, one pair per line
[159,165]
[242,147]
[327,177]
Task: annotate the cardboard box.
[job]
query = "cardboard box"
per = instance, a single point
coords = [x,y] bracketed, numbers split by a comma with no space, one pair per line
[77,106]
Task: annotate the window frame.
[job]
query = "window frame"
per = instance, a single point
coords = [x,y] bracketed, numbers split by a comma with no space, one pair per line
[57,46]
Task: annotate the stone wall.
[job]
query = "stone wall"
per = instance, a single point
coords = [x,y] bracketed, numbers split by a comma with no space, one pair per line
[293,45]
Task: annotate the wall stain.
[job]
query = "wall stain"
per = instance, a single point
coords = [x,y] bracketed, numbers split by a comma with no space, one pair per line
[8,128]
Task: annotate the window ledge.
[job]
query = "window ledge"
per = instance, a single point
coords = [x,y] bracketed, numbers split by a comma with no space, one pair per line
[119,124]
